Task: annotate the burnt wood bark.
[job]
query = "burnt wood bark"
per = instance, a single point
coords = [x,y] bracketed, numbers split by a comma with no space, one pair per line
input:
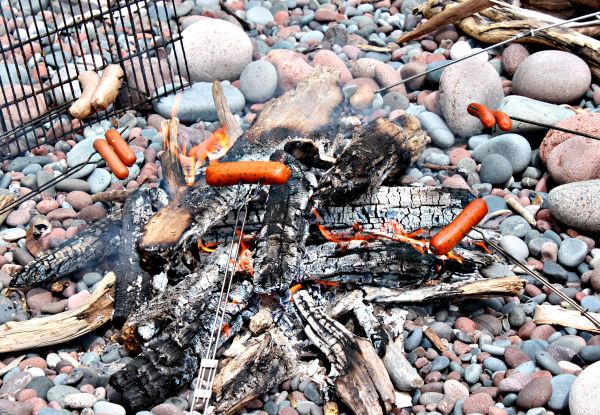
[374,153]
[134,286]
[267,361]
[283,235]
[172,331]
[87,248]
[202,206]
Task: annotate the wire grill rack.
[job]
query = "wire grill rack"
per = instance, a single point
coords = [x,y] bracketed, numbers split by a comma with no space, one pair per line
[46,44]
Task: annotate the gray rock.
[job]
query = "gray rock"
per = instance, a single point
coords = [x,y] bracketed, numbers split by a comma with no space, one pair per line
[99,181]
[561,386]
[514,246]
[414,339]
[591,303]
[552,76]
[477,140]
[43,177]
[532,347]
[554,270]
[70,185]
[495,203]
[20,163]
[463,83]
[472,373]
[494,365]
[215,50]
[259,16]
[258,81]
[41,385]
[437,129]
[79,154]
[546,361]
[514,147]
[395,101]
[11,74]
[134,172]
[572,252]
[534,110]
[440,363]
[196,103]
[517,317]
[535,245]
[516,226]
[495,169]
[60,392]
[583,397]
[434,76]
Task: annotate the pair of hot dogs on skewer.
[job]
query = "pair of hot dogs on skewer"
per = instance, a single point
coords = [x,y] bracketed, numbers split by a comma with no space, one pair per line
[117,154]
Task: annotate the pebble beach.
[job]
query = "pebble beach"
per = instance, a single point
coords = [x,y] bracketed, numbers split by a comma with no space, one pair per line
[541,187]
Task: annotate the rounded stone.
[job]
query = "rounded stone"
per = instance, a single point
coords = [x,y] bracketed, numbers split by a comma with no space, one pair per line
[574,160]
[587,123]
[514,147]
[258,81]
[259,15]
[575,204]
[463,83]
[478,403]
[561,387]
[535,394]
[572,252]
[516,226]
[552,76]
[79,200]
[512,57]
[215,50]
[583,397]
[495,169]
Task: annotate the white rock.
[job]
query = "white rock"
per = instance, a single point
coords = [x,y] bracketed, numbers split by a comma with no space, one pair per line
[583,398]
[80,400]
[215,50]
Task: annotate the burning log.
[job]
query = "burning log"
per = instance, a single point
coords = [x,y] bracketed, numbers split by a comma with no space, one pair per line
[61,327]
[374,154]
[172,332]
[282,238]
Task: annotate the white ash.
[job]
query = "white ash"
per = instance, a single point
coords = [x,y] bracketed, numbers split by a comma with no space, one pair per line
[160,281]
[147,331]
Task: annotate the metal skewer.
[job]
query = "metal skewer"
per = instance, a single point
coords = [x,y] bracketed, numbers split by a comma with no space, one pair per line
[208,364]
[504,42]
[538,277]
[554,127]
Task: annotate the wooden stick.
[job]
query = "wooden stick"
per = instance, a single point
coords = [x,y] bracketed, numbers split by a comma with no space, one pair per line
[112,196]
[449,15]
[62,327]
[554,314]
[226,118]
[447,291]
[435,339]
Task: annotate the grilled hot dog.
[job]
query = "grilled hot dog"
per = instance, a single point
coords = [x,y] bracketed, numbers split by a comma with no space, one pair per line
[450,236]
[248,172]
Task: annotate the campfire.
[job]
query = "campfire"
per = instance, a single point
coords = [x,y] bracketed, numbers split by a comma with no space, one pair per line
[254,284]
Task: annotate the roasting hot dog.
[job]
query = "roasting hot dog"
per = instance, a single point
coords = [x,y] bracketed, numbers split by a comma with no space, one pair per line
[112,159]
[504,122]
[248,172]
[446,239]
[482,112]
[120,146]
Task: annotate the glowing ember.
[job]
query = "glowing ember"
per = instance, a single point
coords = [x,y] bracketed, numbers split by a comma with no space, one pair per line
[244,263]
[226,329]
[455,257]
[206,248]
[295,288]
[482,246]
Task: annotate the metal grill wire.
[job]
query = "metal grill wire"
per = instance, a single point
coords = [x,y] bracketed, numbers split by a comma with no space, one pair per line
[34,105]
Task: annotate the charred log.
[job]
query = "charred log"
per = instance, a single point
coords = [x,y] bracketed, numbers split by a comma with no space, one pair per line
[134,286]
[88,248]
[267,361]
[282,238]
[374,153]
[172,332]
[360,378]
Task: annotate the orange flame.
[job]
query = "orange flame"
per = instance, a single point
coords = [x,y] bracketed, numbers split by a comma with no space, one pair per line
[482,246]
[455,257]
[226,329]
[207,248]
[244,262]
[295,288]
[175,106]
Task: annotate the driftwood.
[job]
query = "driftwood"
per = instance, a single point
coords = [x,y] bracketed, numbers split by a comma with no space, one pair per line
[61,327]
[501,22]
[226,118]
[504,286]
[449,15]
[551,314]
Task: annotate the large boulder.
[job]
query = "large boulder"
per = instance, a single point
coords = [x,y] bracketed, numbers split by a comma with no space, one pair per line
[552,76]
[586,123]
[575,160]
[534,110]
[576,205]
[583,398]
[463,83]
[215,50]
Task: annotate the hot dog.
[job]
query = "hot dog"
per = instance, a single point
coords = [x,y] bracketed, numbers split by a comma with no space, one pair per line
[232,173]
[112,159]
[504,122]
[120,146]
[482,112]
[446,239]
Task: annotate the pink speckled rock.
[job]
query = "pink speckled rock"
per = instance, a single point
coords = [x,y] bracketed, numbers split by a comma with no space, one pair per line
[78,299]
[575,160]
[330,60]
[512,57]
[291,68]
[46,206]
[587,123]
